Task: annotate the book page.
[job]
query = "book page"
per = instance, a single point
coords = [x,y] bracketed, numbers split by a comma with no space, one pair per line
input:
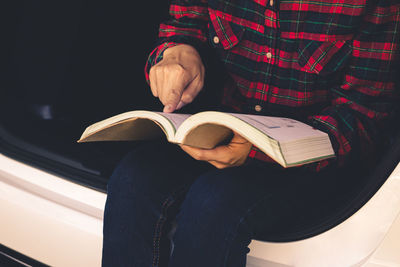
[282,129]
[175,118]
[132,125]
[127,130]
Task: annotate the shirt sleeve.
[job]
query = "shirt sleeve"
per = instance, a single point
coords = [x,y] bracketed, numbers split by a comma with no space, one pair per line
[187,24]
[364,100]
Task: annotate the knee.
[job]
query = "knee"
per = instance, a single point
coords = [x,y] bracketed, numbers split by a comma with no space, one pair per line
[127,176]
[209,196]
[142,171]
[210,211]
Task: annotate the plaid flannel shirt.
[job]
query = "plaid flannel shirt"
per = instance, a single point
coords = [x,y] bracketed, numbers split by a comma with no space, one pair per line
[329,63]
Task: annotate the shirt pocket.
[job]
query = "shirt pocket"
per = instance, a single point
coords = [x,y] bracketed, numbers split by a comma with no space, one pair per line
[224,33]
[323,58]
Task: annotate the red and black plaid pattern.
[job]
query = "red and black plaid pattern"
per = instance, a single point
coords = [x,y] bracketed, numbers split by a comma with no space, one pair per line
[329,63]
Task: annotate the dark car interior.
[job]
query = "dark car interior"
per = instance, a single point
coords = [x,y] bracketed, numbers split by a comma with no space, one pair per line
[67,64]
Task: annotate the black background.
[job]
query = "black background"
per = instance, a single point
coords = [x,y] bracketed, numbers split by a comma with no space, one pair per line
[83,56]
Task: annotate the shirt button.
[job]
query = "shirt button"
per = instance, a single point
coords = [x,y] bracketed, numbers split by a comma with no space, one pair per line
[257,108]
[269,55]
[271,2]
[216,40]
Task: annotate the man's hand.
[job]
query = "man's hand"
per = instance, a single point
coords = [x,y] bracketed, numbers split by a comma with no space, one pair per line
[233,154]
[178,77]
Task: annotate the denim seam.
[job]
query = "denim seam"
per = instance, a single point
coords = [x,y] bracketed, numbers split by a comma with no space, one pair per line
[161,220]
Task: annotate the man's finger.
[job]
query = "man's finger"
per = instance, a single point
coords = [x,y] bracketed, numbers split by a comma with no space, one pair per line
[177,81]
[198,154]
[219,165]
[192,90]
[181,104]
[219,153]
[172,100]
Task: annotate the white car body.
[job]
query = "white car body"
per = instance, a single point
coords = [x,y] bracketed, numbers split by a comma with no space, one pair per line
[59,223]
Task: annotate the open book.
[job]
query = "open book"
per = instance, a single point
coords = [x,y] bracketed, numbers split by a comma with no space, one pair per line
[287,141]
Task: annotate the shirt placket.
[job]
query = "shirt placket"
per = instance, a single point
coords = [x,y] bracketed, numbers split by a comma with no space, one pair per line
[271,35]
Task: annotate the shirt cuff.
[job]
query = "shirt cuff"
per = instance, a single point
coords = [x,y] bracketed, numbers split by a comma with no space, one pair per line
[156,56]
[256,153]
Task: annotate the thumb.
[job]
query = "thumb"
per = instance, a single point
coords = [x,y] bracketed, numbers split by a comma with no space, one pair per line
[174,90]
[172,100]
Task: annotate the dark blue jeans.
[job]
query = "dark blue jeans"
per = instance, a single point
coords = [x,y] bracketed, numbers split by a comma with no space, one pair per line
[216,212]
